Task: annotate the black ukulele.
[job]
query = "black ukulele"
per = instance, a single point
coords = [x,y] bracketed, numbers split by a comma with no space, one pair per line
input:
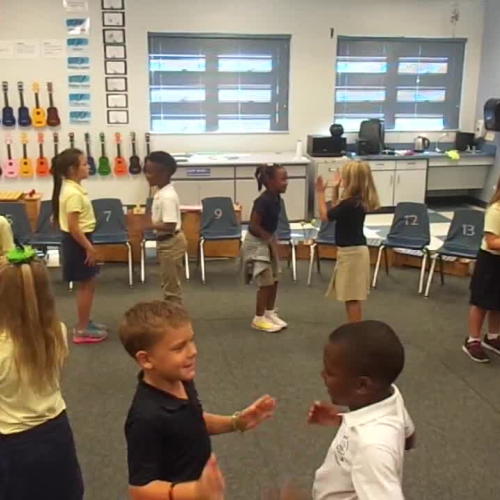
[135,167]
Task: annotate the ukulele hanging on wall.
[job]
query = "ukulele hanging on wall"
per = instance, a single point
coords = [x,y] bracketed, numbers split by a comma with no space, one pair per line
[135,167]
[8,117]
[23,113]
[26,167]
[56,149]
[42,164]
[38,115]
[104,167]
[71,137]
[53,119]
[90,158]
[120,168]
[10,168]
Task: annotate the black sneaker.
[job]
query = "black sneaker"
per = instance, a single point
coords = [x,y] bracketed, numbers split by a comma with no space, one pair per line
[475,351]
[492,344]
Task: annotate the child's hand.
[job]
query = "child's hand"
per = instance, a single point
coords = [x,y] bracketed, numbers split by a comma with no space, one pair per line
[320,185]
[211,484]
[336,180]
[324,414]
[411,442]
[91,259]
[288,492]
[256,413]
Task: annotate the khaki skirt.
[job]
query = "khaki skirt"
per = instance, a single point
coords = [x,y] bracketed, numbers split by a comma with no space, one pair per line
[351,277]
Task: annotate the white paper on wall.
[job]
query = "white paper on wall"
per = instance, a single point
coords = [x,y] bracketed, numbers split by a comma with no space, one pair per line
[53,48]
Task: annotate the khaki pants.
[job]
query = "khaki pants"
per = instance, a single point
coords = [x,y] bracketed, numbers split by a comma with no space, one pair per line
[171,254]
[6,238]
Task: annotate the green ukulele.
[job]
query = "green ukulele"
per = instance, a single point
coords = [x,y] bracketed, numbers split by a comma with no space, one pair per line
[104,167]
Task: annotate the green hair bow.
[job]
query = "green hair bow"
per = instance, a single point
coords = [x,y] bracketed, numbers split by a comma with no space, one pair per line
[21,255]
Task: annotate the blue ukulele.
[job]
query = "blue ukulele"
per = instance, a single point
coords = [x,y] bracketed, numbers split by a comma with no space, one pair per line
[23,113]
[8,118]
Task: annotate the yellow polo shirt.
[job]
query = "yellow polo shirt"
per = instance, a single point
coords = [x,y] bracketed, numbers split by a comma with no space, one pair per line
[74,198]
[491,225]
[21,408]
[6,237]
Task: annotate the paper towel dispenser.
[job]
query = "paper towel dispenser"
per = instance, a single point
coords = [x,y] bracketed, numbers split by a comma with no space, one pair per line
[492,115]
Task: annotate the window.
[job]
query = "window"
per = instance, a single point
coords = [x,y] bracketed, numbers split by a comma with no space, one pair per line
[218,83]
[411,84]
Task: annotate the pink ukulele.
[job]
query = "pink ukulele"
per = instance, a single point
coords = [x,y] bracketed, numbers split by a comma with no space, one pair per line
[10,168]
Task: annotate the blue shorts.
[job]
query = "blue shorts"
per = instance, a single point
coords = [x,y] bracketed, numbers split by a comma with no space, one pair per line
[73,257]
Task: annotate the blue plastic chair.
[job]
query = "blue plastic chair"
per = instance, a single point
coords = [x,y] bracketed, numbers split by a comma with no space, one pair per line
[17,216]
[284,234]
[111,228]
[410,230]
[218,223]
[149,235]
[463,240]
[326,236]
[46,234]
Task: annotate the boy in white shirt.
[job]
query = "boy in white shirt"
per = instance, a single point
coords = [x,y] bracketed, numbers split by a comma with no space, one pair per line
[365,461]
[166,222]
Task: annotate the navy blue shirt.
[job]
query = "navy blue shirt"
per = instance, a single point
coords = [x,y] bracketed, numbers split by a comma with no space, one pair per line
[268,206]
[349,216]
[167,438]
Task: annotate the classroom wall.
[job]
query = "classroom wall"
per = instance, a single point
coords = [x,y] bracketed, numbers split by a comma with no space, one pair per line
[489,83]
[312,61]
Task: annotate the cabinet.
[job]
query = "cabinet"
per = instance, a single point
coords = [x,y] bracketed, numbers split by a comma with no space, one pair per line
[410,186]
[384,182]
[191,192]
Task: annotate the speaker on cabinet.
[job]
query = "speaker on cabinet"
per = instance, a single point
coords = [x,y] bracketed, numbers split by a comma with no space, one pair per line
[492,114]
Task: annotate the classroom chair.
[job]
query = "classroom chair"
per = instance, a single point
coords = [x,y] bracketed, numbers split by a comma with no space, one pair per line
[463,241]
[16,214]
[284,235]
[149,235]
[218,223]
[46,234]
[326,236]
[111,228]
[410,230]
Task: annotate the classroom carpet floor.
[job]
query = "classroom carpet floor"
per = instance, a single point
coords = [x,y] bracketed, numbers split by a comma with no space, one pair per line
[455,403]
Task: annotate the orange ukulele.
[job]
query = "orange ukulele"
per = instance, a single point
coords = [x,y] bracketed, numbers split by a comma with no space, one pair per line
[120,167]
[38,115]
[26,166]
[42,164]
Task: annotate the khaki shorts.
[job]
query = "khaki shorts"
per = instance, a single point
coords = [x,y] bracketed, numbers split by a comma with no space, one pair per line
[351,277]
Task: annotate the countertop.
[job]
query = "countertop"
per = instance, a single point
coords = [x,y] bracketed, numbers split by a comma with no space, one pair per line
[425,156]
[243,159]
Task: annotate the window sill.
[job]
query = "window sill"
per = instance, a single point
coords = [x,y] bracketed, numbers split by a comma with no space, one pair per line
[220,134]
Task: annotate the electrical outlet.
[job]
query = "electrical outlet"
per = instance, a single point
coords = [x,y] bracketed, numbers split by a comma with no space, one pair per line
[480,130]
[490,136]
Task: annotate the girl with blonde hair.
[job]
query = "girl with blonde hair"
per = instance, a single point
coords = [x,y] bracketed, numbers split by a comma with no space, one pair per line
[351,278]
[37,451]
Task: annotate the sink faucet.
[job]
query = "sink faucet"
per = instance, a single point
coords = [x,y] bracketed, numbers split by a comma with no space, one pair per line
[441,137]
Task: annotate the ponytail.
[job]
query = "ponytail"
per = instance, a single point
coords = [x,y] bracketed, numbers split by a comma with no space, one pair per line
[59,169]
[264,173]
[259,175]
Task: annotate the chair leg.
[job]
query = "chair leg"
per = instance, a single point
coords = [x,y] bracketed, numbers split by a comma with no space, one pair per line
[202,259]
[70,286]
[422,272]
[318,259]
[431,276]
[441,269]
[386,260]
[377,266]
[294,262]
[130,264]
[312,253]
[186,265]
[143,261]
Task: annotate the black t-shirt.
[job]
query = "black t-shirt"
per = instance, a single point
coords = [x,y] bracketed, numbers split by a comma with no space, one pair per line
[268,206]
[349,215]
[167,438]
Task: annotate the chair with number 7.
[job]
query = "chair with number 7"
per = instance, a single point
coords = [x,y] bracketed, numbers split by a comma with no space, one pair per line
[111,227]
[462,241]
[410,230]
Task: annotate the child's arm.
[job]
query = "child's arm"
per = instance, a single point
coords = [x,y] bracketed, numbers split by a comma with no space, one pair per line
[79,236]
[168,223]
[251,417]
[256,227]
[492,241]
[325,414]
[320,191]
[210,486]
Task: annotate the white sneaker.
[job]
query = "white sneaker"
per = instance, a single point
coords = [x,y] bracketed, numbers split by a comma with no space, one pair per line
[265,325]
[273,317]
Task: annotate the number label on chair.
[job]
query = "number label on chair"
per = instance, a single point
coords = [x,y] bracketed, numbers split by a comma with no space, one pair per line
[218,213]
[108,215]
[411,220]
[9,219]
[469,230]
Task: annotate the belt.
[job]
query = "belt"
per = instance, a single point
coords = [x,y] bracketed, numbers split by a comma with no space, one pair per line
[165,237]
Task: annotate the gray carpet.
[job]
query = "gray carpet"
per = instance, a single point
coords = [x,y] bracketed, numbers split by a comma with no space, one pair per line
[454,402]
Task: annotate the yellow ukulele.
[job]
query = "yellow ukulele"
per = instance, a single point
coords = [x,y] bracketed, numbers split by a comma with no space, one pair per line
[26,166]
[38,115]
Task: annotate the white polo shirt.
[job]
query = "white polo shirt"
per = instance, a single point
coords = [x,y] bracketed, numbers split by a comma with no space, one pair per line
[166,207]
[365,460]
